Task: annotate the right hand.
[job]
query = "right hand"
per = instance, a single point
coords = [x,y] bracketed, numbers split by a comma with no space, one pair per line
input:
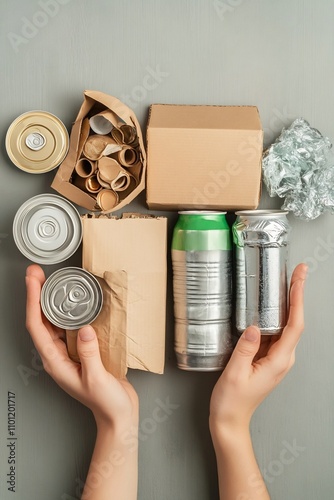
[254,368]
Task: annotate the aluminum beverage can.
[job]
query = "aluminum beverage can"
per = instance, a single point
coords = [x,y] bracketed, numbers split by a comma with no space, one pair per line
[202,287]
[37,142]
[47,229]
[71,298]
[261,239]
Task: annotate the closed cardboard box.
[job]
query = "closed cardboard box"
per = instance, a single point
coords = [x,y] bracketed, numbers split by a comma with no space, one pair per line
[203,157]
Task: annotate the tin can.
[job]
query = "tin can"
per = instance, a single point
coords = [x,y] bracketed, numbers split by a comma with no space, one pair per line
[37,142]
[202,286]
[71,298]
[261,238]
[47,229]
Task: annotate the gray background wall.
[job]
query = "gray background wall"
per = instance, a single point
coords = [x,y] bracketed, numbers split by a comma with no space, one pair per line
[277,55]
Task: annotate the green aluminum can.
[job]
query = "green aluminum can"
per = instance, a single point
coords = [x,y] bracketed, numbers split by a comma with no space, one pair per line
[202,287]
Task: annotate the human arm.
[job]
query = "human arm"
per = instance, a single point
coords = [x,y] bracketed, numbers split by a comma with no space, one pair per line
[113,471]
[255,368]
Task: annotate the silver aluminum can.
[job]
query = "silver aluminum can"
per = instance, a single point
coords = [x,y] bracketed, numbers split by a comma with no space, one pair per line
[201,256]
[47,229]
[261,238]
[71,298]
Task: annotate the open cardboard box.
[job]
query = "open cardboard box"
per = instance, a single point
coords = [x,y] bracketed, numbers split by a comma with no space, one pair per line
[203,157]
[129,257]
[95,102]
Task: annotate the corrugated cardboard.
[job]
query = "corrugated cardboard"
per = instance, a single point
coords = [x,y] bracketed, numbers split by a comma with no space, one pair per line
[94,102]
[128,256]
[203,157]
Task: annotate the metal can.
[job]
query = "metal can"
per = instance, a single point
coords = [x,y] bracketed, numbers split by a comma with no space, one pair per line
[47,229]
[71,298]
[261,238]
[202,286]
[37,142]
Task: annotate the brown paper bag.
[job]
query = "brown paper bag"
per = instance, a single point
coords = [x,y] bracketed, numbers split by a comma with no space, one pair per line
[94,103]
[128,256]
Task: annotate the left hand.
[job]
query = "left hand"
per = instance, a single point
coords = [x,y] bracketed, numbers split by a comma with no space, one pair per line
[113,402]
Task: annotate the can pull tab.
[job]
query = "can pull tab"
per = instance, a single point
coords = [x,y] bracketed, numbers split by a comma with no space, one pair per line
[35,141]
[72,301]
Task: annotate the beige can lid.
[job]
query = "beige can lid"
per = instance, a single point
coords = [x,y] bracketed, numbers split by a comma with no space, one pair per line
[37,142]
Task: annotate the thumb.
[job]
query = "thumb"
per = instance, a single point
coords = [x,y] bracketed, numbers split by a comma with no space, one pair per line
[246,348]
[88,349]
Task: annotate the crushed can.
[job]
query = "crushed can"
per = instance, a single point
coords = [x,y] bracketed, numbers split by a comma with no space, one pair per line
[261,239]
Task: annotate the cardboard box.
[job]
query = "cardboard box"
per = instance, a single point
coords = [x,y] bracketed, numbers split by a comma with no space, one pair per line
[94,103]
[129,257]
[203,157]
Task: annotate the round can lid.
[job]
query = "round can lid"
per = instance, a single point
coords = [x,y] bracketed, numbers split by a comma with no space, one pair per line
[37,142]
[71,298]
[47,229]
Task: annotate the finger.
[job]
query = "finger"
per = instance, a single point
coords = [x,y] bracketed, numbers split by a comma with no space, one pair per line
[245,350]
[299,273]
[34,320]
[55,332]
[88,351]
[265,344]
[34,280]
[37,272]
[295,325]
[53,352]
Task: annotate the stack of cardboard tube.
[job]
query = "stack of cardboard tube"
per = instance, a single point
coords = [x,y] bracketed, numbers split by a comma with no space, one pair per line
[109,162]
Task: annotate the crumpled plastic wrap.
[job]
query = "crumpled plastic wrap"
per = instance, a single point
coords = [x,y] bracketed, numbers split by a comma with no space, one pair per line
[299,166]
